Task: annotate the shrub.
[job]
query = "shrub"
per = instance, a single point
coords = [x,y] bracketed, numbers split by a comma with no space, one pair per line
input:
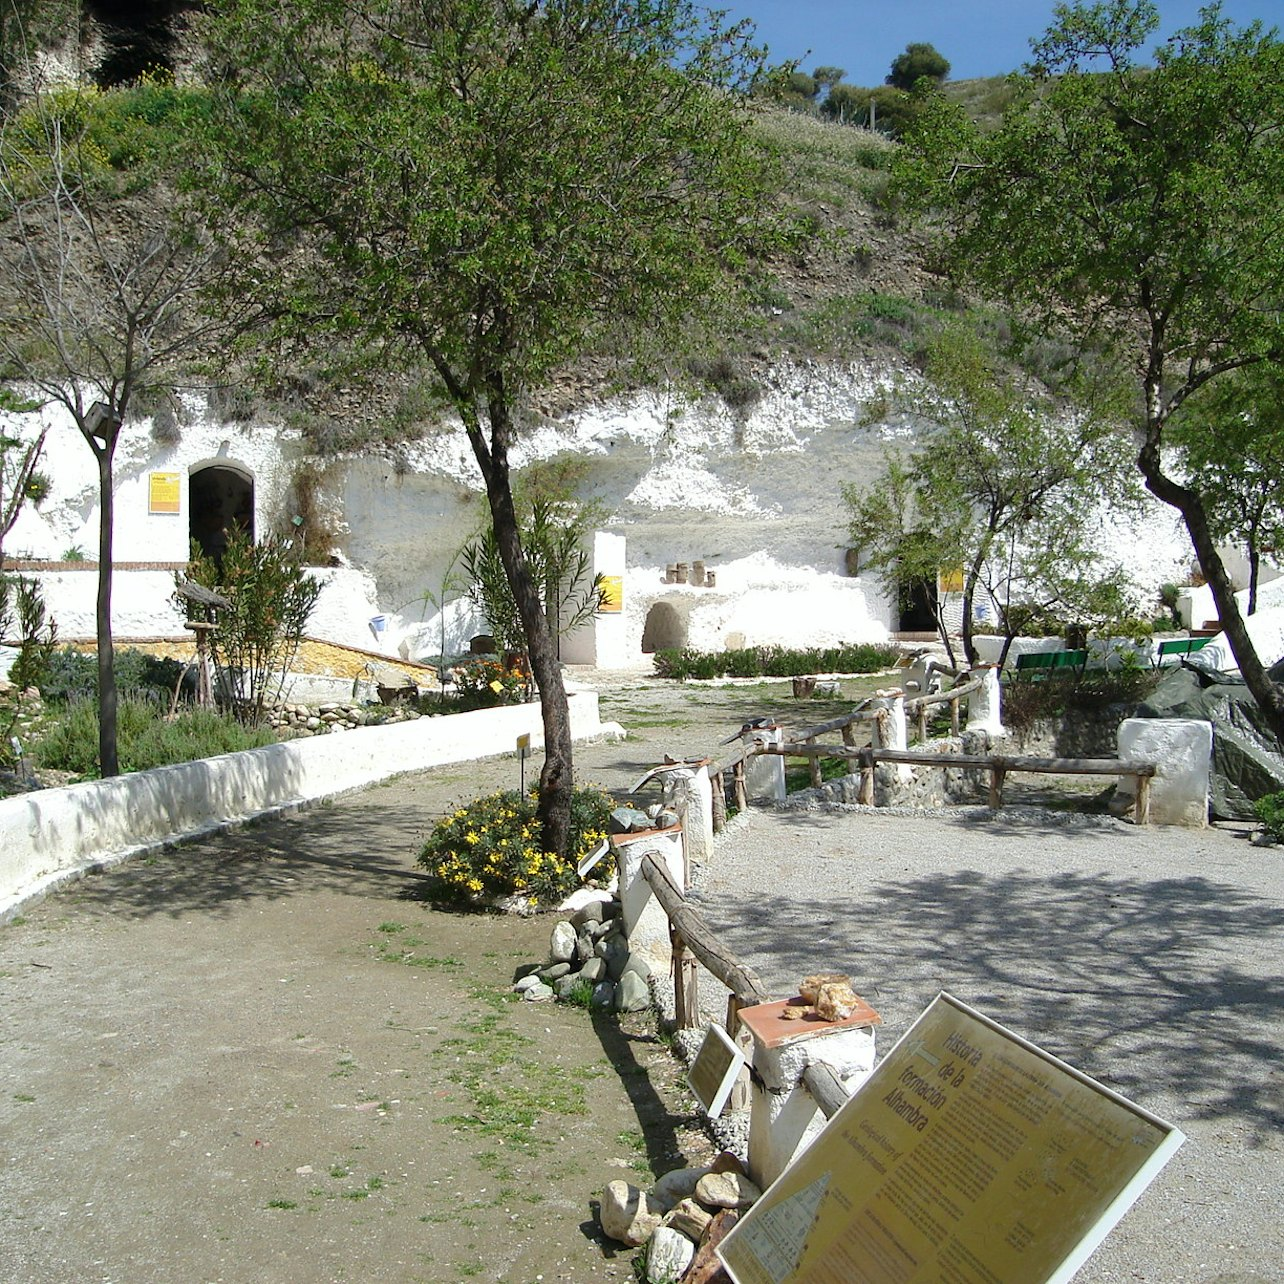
[73,675]
[1270,811]
[774,662]
[483,683]
[489,848]
[1062,692]
[146,737]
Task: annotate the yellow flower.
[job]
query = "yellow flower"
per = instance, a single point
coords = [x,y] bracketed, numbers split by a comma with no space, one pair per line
[471,838]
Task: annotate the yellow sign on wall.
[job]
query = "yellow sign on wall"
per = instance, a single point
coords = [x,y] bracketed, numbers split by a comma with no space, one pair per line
[164,491]
[612,594]
[949,579]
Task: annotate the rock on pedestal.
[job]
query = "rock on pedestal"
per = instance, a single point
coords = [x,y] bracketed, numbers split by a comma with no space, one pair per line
[985,707]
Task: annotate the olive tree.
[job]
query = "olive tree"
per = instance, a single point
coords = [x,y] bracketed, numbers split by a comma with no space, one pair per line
[483,186]
[1139,205]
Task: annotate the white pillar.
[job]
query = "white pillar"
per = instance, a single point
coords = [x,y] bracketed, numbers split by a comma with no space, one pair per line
[694,798]
[765,773]
[645,923]
[783,1116]
[1182,750]
[985,707]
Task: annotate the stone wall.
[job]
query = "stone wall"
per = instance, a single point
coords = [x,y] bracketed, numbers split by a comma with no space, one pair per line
[1080,733]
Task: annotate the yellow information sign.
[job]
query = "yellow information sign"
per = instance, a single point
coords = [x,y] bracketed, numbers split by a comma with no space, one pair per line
[949,579]
[969,1156]
[164,491]
[612,597]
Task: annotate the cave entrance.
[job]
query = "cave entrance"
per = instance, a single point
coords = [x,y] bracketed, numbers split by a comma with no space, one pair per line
[918,606]
[220,500]
[665,629]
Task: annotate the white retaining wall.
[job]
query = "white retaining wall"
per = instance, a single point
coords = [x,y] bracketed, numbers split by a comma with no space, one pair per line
[51,835]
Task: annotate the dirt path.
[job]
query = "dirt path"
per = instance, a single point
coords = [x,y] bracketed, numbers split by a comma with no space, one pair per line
[262,1058]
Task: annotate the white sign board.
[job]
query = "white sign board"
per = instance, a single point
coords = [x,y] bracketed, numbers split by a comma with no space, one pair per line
[714,1071]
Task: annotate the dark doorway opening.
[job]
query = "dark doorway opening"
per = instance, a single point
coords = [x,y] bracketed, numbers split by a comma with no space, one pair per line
[918,607]
[220,500]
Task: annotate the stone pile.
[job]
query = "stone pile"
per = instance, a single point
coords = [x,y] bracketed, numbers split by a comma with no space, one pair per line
[680,1219]
[301,720]
[589,956]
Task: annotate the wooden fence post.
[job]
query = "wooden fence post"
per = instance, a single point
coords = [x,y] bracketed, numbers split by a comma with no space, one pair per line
[738,779]
[719,803]
[686,994]
[997,774]
[867,779]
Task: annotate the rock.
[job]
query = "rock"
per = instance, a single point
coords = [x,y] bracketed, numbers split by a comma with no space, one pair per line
[632,994]
[627,820]
[668,1255]
[584,946]
[594,970]
[638,966]
[561,945]
[563,986]
[666,819]
[689,1218]
[603,995]
[584,900]
[726,1190]
[626,1215]
[539,993]
[615,950]
[524,983]
[593,912]
[675,1186]
[810,986]
[726,1162]
[554,972]
[707,1267]
[836,1001]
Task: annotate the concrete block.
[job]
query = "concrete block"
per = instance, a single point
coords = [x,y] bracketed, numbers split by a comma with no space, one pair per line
[1182,750]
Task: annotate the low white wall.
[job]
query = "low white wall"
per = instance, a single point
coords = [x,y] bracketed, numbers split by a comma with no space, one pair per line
[55,834]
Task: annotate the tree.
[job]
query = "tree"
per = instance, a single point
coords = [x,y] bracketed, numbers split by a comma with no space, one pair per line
[1117,200]
[483,186]
[918,62]
[97,288]
[21,482]
[1232,442]
[1003,485]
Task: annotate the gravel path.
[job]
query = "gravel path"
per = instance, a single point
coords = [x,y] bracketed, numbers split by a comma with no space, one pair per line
[1148,958]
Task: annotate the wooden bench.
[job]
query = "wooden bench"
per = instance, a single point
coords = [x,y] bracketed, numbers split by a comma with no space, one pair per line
[1039,664]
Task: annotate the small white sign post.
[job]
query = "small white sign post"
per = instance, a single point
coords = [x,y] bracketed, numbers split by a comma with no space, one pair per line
[715,1069]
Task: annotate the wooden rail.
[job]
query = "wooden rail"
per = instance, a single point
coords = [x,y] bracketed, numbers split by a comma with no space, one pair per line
[694,941]
[952,697]
[998,765]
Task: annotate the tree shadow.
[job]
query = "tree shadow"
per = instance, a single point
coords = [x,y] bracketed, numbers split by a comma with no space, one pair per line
[1167,989]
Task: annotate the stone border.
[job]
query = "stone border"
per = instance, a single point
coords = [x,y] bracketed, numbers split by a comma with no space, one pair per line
[52,836]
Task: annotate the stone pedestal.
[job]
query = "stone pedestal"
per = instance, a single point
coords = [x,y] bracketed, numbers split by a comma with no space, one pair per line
[1182,751]
[694,798]
[765,773]
[645,923]
[783,1117]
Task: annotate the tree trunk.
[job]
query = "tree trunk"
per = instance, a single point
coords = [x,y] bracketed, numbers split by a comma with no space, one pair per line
[1269,696]
[108,760]
[556,781]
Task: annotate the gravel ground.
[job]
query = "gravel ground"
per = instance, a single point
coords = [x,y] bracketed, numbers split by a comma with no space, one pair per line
[1148,958]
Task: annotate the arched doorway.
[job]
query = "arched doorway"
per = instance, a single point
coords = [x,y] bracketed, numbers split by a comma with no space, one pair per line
[220,499]
[665,628]
[918,606]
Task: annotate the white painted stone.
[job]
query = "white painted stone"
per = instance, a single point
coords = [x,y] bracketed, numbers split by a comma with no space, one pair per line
[985,707]
[668,1255]
[645,923]
[1182,751]
[696,812]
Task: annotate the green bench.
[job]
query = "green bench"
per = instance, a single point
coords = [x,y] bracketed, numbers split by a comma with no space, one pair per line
[1179,647]
[1039,664]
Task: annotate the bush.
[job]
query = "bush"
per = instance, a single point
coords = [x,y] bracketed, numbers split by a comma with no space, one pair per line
[774,662]
[146,738]
[73,675]
[483,683]
[1063,691]
[1270,811]
[490,848]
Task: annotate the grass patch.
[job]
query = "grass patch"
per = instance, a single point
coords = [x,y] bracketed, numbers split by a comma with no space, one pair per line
[397,946]
[285,1205]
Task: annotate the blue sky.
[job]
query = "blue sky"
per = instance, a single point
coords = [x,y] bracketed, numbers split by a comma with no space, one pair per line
[979,37]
